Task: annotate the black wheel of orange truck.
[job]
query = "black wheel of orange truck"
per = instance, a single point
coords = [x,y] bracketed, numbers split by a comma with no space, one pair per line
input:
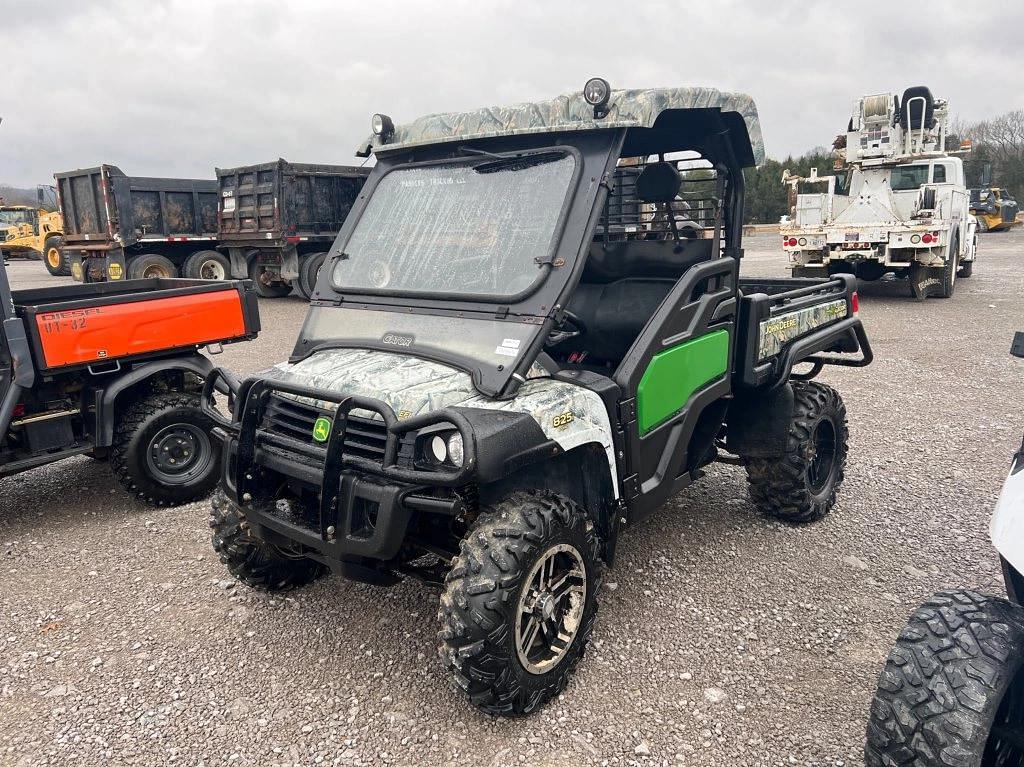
[149,266]
[951,693]
[256,563]
[519,602]
[163,452]
[54,259]
[800,484]
[267,284]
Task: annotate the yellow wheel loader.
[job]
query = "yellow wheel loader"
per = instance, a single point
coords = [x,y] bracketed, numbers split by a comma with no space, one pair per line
[995,209]
[34,233]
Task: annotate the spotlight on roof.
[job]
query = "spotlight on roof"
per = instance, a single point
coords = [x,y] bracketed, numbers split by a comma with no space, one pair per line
[596,92]
[382,127]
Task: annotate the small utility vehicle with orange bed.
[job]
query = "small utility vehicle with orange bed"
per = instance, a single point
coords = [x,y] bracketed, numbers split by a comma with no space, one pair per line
[113,370]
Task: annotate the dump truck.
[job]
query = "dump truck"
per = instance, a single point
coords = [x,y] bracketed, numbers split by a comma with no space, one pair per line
[513,354]
[132,227]
[995,209]
[277,220]
[33,232]
[114,371]
[898,203]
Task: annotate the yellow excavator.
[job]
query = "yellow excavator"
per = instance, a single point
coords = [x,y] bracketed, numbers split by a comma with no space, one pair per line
[995,209]
[34,233]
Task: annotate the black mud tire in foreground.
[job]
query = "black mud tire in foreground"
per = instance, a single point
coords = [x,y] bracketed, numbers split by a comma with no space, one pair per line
[801,484]
[56,260]
[254,562]
[952,690]
[163,453]
[496,600]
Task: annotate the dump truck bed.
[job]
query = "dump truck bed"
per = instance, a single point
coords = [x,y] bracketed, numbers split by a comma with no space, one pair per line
[105,208]
[282,201]
[104,324]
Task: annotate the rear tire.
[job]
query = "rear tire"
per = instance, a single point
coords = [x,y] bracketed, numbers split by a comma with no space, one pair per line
[55,260]
[266,287]
[163,452]
[207,265]
[966,270]
[982,224]
[511,632]
[953,687]
[150,266]
[308,272]
[947,274]
[800,485]
[254,562]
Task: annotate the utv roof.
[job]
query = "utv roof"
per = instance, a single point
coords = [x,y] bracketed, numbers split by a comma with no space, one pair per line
[657,119]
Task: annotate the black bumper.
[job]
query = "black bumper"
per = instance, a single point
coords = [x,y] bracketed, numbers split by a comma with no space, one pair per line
[364,504]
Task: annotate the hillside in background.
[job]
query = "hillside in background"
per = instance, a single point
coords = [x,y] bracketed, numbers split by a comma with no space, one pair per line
[12,195]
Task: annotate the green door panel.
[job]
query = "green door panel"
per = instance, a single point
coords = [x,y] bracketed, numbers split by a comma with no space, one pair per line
[674,375]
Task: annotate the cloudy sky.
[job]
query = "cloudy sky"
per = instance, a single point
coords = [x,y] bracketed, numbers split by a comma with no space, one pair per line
[177,87]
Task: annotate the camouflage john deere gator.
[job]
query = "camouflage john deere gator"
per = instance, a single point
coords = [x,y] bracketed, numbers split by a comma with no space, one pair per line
[514,352]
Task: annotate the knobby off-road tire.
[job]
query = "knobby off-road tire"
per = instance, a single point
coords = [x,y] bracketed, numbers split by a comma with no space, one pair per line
[55,260]
[163,452]
[495,593]
[254,562]
[952,689]
[800,485]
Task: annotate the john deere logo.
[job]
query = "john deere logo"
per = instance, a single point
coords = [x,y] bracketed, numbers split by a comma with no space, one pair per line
[322,429]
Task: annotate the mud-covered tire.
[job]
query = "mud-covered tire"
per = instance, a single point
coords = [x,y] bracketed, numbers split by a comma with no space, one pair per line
[151,266]
[207,265]
[255,563]
[982,224]
[55,259]
[953,681]
[787,486]
[170,420]
[481,601]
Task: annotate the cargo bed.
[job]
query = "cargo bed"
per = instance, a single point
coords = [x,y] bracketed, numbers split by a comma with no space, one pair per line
[106,323]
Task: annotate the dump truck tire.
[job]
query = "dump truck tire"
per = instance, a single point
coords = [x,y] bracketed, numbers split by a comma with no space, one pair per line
[308,272]
[952,690]
[207,265]
[255,563]
[265,287]
[162,452]
[966,270]
[511,633]
[800,485]
[149,266]
[55,260]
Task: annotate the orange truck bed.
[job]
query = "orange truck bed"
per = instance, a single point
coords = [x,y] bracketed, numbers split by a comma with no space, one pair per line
[95,324]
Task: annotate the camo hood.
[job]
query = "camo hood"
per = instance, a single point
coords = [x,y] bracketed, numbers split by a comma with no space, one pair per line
[570,415]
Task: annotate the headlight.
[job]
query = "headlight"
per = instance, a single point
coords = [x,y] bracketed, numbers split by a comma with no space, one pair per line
[441,447]
[455,454]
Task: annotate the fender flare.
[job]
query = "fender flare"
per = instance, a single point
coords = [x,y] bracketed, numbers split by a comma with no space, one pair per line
[106,398]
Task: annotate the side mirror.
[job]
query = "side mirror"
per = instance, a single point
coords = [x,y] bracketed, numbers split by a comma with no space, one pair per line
[1017,347]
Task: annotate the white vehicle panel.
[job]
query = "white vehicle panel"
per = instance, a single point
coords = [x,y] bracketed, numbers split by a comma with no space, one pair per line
[1007,528]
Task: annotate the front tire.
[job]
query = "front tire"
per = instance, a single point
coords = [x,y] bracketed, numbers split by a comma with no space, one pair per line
[163,452]
[254,562]
[519,602]
[952,690]
[55,260]
[800,485]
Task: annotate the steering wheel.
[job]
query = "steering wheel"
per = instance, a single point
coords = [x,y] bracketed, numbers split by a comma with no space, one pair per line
[561,334]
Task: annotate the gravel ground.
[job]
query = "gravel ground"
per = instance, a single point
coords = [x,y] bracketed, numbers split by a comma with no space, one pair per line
[724,638]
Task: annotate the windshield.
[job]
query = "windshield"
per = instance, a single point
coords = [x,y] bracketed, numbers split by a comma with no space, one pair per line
[469,229]
[15,216]
[908,177]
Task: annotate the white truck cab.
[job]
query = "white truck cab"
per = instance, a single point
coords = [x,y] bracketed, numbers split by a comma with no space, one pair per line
[898,205]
